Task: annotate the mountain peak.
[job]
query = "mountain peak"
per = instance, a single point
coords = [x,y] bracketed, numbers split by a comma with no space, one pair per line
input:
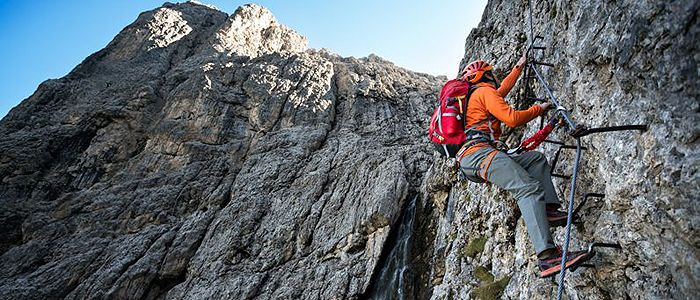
[253,31]
[254,11]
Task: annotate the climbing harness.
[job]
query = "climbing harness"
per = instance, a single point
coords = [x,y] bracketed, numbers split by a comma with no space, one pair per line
[577,131]
[475,140]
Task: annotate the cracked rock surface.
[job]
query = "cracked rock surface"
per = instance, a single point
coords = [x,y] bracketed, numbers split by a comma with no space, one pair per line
[616,63]
[207,156]
[202,155]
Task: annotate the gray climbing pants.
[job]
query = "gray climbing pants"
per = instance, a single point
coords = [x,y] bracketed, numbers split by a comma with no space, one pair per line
[527,177]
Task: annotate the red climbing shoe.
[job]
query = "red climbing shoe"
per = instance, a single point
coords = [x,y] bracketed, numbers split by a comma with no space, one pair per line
[556,217]
[552,265]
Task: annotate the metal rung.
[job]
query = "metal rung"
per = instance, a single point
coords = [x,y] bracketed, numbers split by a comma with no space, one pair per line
[585,199]
[615,245]
[556,159]
[542,63]
[582,131]
[591,252]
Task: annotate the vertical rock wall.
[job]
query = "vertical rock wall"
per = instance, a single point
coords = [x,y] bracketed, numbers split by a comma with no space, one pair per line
[616,63]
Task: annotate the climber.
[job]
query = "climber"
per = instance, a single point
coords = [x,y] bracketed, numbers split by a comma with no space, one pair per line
[526,175]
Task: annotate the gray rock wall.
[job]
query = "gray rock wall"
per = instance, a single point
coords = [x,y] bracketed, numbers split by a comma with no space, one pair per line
[617,63]
[201,155]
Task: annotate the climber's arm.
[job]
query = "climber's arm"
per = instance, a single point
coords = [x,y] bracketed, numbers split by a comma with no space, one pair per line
[510,80]
[498,107]
[508,83]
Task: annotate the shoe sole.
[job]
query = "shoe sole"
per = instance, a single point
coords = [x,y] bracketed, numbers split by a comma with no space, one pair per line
[572,263]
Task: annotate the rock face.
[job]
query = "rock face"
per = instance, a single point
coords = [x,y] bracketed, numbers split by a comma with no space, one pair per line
[616,63]
[207,156]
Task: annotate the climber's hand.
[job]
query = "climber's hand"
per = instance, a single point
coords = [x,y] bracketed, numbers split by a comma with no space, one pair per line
[545,106]
[523,60]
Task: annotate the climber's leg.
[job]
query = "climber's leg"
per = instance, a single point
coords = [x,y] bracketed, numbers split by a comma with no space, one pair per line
[535,163]
[498,168]
[537,166]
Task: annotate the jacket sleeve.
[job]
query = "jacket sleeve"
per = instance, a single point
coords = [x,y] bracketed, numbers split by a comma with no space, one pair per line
[497,106]
[508,83]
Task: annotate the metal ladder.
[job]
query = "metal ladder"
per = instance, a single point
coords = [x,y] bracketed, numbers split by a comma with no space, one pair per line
[577,131]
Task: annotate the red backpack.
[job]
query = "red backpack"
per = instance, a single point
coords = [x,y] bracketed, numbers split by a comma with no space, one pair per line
[446,130]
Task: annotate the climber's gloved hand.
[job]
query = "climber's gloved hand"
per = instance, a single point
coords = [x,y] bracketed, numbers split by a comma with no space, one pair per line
[545,106]
[522,61]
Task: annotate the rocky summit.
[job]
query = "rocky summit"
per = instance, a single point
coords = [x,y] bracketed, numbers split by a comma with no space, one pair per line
[207,156]
[202,155]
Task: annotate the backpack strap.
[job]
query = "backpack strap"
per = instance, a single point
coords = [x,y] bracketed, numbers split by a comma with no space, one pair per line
[439,119]
[460,102]
[488,120]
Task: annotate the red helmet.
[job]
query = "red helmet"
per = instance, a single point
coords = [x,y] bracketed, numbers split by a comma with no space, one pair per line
[474,70]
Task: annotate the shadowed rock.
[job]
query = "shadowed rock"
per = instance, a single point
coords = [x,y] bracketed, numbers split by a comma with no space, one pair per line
[613,66]
[201,155]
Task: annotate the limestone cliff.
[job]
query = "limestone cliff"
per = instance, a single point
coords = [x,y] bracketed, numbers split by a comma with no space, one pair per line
[207,156]
[616,63]
[202,155]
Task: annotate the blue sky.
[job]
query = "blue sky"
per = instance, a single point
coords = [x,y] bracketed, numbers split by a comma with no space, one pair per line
[40,40]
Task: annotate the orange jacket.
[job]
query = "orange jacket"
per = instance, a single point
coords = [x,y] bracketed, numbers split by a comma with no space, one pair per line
[486,100]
